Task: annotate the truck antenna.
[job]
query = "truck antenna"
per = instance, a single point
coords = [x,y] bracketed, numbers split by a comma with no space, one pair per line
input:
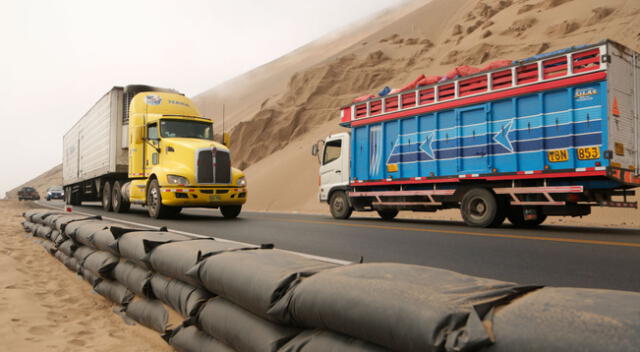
[222,118]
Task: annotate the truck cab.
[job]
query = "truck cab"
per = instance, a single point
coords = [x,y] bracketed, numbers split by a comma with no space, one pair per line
[174,161]
[334,172]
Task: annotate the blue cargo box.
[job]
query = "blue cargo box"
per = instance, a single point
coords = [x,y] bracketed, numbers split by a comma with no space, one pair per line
[569,111]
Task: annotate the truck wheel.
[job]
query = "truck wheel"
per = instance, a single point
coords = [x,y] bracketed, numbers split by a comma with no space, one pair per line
[481,208]
[230,211]
[388,214]
[119,204]
[339,205]
[76,198]
[154,202]
[516,217]
[106,196]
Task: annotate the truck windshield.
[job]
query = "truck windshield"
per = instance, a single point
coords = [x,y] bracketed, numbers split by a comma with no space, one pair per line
[171,128]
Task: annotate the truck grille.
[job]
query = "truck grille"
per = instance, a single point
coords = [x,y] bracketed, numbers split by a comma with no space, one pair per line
[213,166]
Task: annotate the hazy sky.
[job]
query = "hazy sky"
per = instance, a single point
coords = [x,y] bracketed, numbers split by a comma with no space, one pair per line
[57,58]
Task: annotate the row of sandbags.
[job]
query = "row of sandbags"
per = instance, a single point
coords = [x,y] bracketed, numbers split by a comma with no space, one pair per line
[234,297]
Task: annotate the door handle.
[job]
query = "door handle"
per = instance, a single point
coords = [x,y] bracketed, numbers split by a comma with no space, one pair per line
[338,171]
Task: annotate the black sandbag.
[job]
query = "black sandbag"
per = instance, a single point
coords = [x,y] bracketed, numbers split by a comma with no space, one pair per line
[152,314]
[57,238]
[89,277]
[41,216]
[398,306]
[183,298]
[255,279]
[569,319]
[68,247]
[148,313]
[82,252]
[101,263]
[326,341]
[61,221]
[42,231]
[28,226]
[131,244]
[70,262]
[114,291]
[175,259]
[134,278]
[29,214]
[191,339]
[240,329]
[50,220]
[48,246]
[72,229]
[105,239]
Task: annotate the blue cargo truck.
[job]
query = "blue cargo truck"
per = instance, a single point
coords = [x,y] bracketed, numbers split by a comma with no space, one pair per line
[554,134]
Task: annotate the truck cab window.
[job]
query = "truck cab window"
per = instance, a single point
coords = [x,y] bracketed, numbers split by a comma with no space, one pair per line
[332,151]
[152,131]
[173,128]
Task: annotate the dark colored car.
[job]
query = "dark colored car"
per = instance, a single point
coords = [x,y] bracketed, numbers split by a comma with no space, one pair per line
[55,192]
[28,193]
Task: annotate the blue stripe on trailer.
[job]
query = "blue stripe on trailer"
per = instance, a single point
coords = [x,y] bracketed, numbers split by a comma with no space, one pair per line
[507,135]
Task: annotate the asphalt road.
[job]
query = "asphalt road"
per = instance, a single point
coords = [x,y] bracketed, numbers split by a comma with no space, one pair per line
[550,255]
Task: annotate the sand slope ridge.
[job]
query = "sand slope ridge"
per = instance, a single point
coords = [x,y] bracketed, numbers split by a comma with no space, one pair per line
[45,307]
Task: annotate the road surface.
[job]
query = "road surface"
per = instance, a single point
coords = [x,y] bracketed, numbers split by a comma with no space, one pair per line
[550,255]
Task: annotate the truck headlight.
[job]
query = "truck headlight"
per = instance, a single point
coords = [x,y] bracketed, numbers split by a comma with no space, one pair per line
[177,180]
[241,182]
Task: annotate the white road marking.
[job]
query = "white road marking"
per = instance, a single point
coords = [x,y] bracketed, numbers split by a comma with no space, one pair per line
[310,256]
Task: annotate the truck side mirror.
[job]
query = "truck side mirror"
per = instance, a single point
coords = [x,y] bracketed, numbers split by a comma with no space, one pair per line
[138,133]
[314,150]
[226,139]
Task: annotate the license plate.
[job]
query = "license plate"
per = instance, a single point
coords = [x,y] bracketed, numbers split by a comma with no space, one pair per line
[558,155]
[588,153]
[214,198]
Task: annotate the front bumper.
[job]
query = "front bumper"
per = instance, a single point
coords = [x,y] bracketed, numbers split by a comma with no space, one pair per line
[203,196]
[55,196]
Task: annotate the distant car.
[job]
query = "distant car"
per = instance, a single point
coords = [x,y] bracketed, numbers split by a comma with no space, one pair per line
[55,192]
[28,193]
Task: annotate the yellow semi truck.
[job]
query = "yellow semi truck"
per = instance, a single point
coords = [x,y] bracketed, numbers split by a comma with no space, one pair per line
[150,146]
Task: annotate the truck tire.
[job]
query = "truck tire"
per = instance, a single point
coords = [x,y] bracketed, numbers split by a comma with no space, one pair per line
[75,198]
[106,196]
[481,208]
[388,214]
[230,211]
[118,202]
[154,202]
[339,205]
[516,217]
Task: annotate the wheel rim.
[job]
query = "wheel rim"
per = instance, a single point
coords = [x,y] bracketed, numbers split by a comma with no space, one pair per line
[338,205]
[478,208]
[153,200]
[106,196]
[115,201]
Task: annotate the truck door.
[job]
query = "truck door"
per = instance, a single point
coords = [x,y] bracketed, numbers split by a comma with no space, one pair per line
[334,168]
[150,153]
[474,148]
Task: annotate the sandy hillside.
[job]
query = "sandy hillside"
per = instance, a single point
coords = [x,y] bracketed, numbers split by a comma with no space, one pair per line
[267,82]
[41,183]
[45,307]
[274,145]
